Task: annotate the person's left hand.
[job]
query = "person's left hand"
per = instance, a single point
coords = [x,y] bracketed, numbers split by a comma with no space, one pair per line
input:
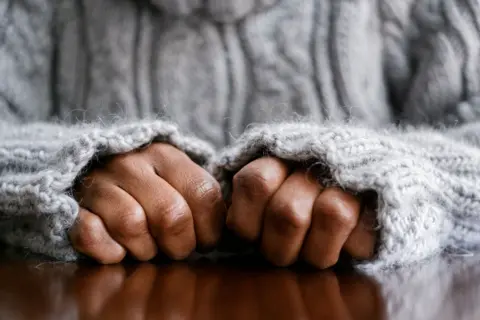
[292,216]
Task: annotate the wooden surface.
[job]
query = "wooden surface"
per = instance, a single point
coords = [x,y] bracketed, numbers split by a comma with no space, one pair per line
[232,288]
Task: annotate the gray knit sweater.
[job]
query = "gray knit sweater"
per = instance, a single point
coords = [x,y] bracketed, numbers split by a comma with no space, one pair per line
[311,81]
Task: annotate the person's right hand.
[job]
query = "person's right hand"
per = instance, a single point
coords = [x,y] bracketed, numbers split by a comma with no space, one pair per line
[151,199]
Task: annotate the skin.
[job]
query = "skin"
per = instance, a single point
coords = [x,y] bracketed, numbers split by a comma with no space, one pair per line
[294,217]
[145,201]
[157,199]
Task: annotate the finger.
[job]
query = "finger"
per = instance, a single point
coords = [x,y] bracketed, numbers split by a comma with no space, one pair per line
[168,214]
[287,218]
[90,237]
[360,244]
[123,217]
[253,187]
[201,191]
[335,214]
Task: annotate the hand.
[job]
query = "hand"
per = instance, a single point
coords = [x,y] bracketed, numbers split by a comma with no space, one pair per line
[293,216]
[152,198]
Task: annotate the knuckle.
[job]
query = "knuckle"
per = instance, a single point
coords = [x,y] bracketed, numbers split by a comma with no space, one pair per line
[288,216]
[175,218]
[131,222]
[254,181]
[336,212]
[208,190]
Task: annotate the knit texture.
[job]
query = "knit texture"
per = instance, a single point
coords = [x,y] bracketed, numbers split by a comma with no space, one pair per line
[219,10]
[427,183]
[143,59]
[39,164]
[332,74]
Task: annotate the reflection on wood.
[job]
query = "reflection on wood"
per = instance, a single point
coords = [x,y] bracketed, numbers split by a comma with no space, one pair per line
[235,288]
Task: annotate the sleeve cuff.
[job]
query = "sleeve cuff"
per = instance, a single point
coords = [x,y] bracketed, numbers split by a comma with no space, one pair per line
[36,205]
[410,215]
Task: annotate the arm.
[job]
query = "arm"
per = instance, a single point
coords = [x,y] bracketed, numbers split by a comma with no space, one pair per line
[426,180]
[40,161]
[428,195]
[37,174]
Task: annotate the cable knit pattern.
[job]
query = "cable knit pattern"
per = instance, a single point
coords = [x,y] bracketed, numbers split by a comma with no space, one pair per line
[36,175]
[178,7]
[214,68]
[220,10]
[427,184]
[432,59]
[128,59]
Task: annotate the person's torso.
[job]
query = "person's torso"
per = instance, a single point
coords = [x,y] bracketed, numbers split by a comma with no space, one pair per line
[296,59]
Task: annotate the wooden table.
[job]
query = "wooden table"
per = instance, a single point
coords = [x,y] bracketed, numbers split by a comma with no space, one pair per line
[242,287]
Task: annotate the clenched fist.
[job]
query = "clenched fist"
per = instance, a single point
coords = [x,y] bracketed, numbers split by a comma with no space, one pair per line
[151,199]
[292,216]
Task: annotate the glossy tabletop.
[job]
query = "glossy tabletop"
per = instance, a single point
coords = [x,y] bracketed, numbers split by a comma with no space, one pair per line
[241,287]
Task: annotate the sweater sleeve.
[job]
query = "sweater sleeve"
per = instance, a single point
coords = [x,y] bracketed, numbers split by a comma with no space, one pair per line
[427,181]
[427,176]
[40,161]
